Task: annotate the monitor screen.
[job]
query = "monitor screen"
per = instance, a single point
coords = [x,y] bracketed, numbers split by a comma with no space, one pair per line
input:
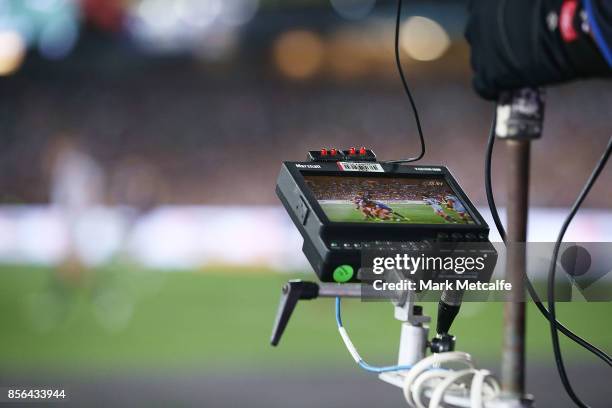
[389,200]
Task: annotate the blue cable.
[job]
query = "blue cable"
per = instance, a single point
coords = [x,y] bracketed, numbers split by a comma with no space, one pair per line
[597,34]
[338,316]
[362,363]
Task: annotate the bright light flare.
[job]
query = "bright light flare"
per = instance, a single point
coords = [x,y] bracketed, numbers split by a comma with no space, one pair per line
[299,54]
[198,14]
[424,39]
[12,52]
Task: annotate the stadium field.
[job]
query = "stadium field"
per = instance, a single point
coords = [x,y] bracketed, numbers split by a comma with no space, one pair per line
[414,214]
[125,317]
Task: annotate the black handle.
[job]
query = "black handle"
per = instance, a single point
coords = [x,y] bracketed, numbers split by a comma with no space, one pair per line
[446,316]
[292,291]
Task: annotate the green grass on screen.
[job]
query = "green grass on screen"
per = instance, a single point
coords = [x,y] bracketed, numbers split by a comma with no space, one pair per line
[414,213]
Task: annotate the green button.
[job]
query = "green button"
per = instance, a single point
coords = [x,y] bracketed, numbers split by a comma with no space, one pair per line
[343,273]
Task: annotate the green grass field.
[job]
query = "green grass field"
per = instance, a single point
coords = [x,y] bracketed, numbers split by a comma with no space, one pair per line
[220,319]
[414,213]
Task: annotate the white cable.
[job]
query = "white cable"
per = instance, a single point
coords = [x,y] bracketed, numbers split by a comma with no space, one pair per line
[349,344]
[484,387]
[419,383]
[452,377]
[434,360]
[477,388]
[443,384]
[449,383]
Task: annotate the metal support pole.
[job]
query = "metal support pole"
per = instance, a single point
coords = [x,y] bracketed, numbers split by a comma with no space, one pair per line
[520,116]
[513,358]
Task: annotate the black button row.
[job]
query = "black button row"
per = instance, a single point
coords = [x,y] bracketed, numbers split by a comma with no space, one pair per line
[411,245]
[459,237]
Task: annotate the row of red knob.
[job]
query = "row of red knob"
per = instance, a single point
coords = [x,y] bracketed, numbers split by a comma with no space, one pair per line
[352,150]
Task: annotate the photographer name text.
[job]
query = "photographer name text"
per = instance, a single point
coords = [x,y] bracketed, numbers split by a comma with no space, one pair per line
[423,285]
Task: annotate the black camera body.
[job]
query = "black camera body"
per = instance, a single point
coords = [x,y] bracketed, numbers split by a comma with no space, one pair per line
[352,204]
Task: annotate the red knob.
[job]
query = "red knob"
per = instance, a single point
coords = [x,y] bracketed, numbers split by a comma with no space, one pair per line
[333,152]
[352,150]
[323,152]
[363,151]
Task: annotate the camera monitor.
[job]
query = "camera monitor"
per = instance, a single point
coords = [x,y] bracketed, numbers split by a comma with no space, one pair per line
[345,208]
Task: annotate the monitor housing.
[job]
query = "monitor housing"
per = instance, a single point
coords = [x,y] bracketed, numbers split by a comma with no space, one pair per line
[330,243]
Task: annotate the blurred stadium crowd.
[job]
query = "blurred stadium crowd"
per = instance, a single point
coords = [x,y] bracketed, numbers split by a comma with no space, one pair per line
[146,112]
[346,188]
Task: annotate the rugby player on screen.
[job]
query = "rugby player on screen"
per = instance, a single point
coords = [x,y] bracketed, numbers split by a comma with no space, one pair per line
[453,203]
[437,209]
[376,210]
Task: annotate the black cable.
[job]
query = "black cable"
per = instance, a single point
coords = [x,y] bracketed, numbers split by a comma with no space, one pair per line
[398,62]
[489,183]
[530,289]
[554,334]
[549,315]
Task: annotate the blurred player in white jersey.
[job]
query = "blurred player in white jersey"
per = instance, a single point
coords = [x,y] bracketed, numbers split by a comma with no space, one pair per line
[453,203]
[437,208]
